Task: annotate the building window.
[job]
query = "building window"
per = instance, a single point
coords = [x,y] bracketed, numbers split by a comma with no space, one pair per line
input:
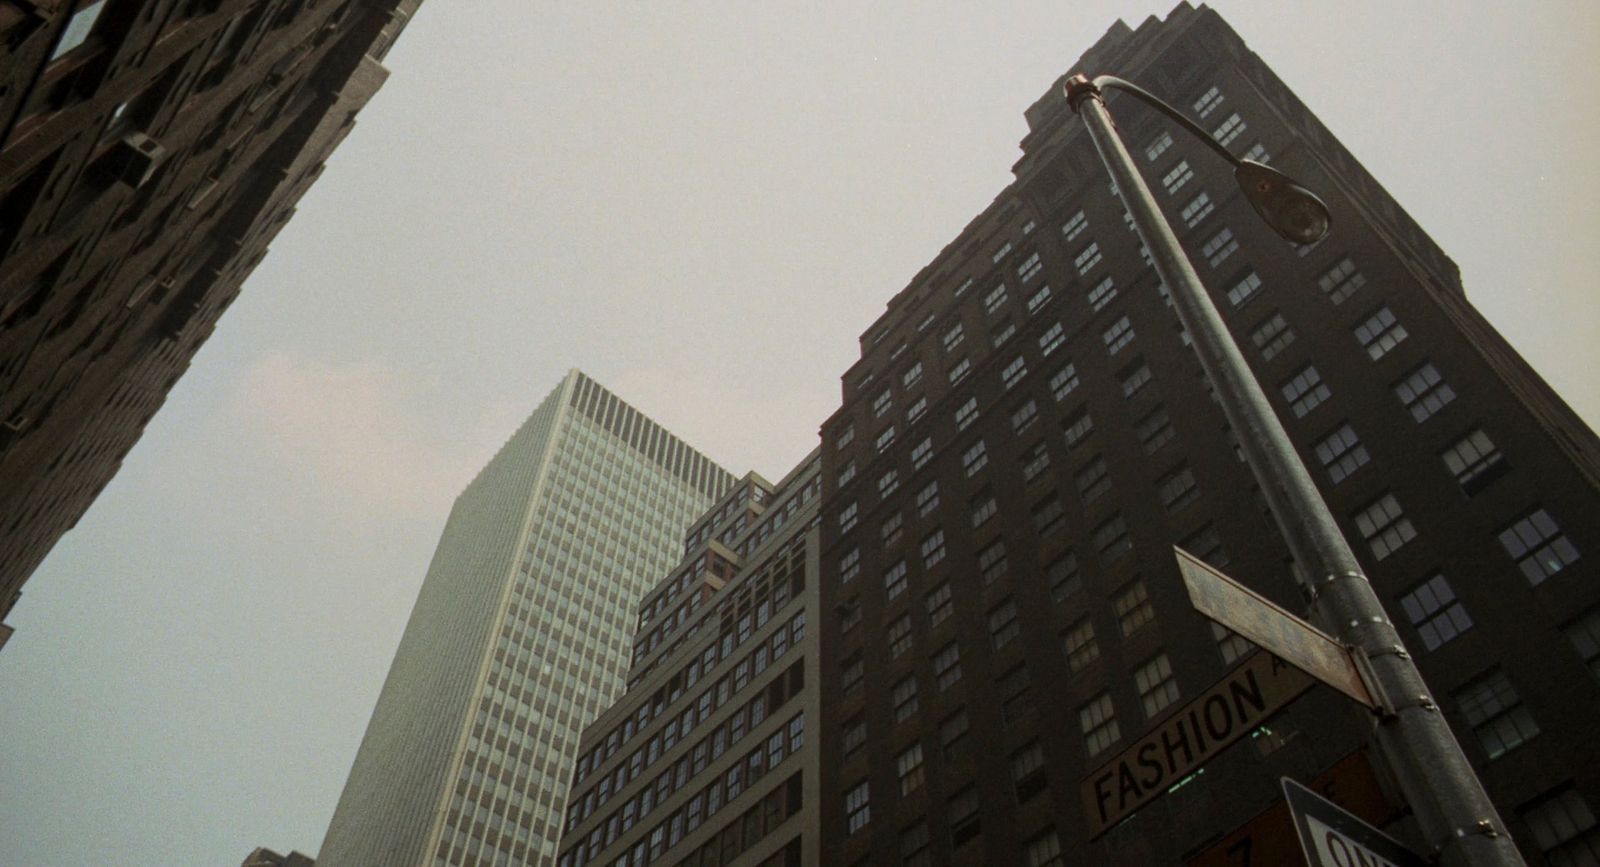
[939,603]
[1004,251]
[1539,547]
[1564,829]
[912,376]
[885,439]
[1177,489]
[1245,289]
[1087,258]
[1198,209]
[1047,516]
[1133,608]
[1424,392]
[1155,149]
[1014,372]
[1342,453]
[995,298]
[849,614]
[1384,526]
[78,28]
[1003,624]
[1341,281]
[1052,338]
[1098,721]
[1380,333]
[975,458]
[1074,226]
[1272,336]
[947,666]
[983,508]
[1220,247]
[953,337]
[900,636]
[857,809]
[1034,462]
[928,498]
[1155,429]
[966,413]
[1208,102]
[888,482]
[1135,379]
[894,580]
[961,369]
[1016,703]
[1038,299]
[1062,574]
[932,549]
[851,674]
[1003,333]
[1181,174]
[855,736]
[953,731]
[904,696]
[1064,381]
[1027,771]
[847,518]
[1093,480]
[1024,415]
[844,437]
[890,531]
[1305,391]
[1120,334]
[913,840]
[846,474]
[921,452]
[1433,609]
[1111,539]
[1080,645]
[1584,633]
[1496,714]
[1474,461]
[1230,644]
[1158,688]
[880,404]
[992,561]
[962,289]
[1230,129]
[1102,294]
[1030,267]
[1258,152]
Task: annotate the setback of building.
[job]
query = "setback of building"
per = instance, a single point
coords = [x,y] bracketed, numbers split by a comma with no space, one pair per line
[1027,435]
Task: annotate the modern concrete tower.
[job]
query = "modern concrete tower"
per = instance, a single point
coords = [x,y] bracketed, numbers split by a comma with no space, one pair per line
[519,637]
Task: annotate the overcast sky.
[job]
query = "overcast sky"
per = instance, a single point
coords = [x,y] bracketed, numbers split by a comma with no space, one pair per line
[701,205]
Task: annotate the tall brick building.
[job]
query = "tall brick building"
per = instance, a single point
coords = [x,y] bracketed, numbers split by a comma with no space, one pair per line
[1027,434]
[149,152]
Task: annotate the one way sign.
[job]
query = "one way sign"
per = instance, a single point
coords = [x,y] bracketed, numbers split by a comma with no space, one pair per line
[1332,837]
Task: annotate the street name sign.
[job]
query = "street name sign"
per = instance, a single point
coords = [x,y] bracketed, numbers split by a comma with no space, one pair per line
[1260,620]
[1333,837]
[1187,738]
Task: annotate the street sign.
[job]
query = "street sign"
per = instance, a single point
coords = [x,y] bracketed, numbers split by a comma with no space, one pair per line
[1256,618]
[1332,837]
[1269,840]
[1189,737]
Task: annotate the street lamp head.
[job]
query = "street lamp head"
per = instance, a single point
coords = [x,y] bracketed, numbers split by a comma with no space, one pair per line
[1290,209]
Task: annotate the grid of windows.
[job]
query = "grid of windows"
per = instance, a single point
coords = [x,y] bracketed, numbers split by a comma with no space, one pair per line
[1474,461]
[849,565]
[963,812]
[916,409]
[995,298]
[1247,288]
[1424,392]
[1038,299]
[1179,175]
[888,482]
[912,376]
[1272,336]
[1342,453]
[1220,247]
[1087,258]
[900,636]
[1208,102]
[1080,646]
[1102,293]
[894,580]
[1098,722]
[904,697]
[1133,608]
[1014,372]
[966,413]
[890,531]
[940,604]
[960,370]
[908,766]
[1120,334]
[847,518]
[1064,381]
[1341,281]
[1495,712]
[1030,267]
[1433,609]
[1384,526]
[928,498]
[953,336]
[1230,129]
[1158,687]
[1564,828]
[1305,391]
[857,807]
[1380,333]
[933,549]
[1156,148]
[1198,209]
[975,458]
[885,439]
[1539,547]
[921,452]
[880,404]
[1051,339]
[1074,225]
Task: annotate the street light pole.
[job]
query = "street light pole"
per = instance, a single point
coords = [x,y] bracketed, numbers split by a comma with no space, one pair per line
[1452,809]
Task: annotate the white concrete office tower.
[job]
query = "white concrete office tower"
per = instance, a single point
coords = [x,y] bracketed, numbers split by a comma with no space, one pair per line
[520,636]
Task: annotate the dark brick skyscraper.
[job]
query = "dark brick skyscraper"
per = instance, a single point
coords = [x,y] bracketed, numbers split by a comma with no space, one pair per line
[149,152]
[1027,435]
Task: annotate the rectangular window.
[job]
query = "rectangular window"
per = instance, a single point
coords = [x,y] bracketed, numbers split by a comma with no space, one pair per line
[849,565]
[1272,336]
[928,498]
[1177,489]
[1030,267]
[1064,381]
[1052,338]
[1098,722]
[1027,771]
[894,580]
[1245,289]
[1074,226]
[857,809]
[1133,608]
[1305,391]
[921,452]
[1230,129]
[932,549]
[888,482]
[1135,379]
[885,439]
[961,369]
[947,666]
[992,561]
[1034,462]
[1102,294]
[912,375]
[1047,516]
[1062,575]
[1158,688]
[1258,152]
[953,337]
[1380,333]
[1198,209]
[844,437]
[1087,258]
[1564,829]
[983,508]
[953,731]
[1220,247]
[1038,299]
[1155,429]
[908,765]
[1155,149]
[1496,714]
[1384,526]
[1077,428]
[1341,453]
[851,674]
[1208,102]
[1080,646]
[900,636]
[1230,644]
[1111,539]
[1120,334]
[1093,480]
[1003,624]
[1004,251]
[904,696]
[966,413]
[1539,547]
[1016,701]
[1014,372]
[1003,333]
[1181,174]
[1424,392]
[1045,851]
[916,409]
[847,518]
[995,298]
[849,614]
[1474,461]
[880,404]
[1023,416]
[939,603]
[975,458]
[1433,609]
[1584,633]
[1341,281]
[846,474]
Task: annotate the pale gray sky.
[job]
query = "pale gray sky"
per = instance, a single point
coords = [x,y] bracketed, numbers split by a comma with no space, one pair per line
[702,205]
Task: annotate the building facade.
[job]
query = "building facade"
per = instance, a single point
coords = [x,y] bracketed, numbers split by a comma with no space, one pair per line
[263,857]
[519,636]
[149,152]
[1027,435]
[706,759]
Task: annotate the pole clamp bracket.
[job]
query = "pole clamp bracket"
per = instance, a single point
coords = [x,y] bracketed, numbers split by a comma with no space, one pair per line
[1078,88]
[1480,828]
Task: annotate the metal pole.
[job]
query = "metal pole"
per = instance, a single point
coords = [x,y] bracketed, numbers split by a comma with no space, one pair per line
[1453,811]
